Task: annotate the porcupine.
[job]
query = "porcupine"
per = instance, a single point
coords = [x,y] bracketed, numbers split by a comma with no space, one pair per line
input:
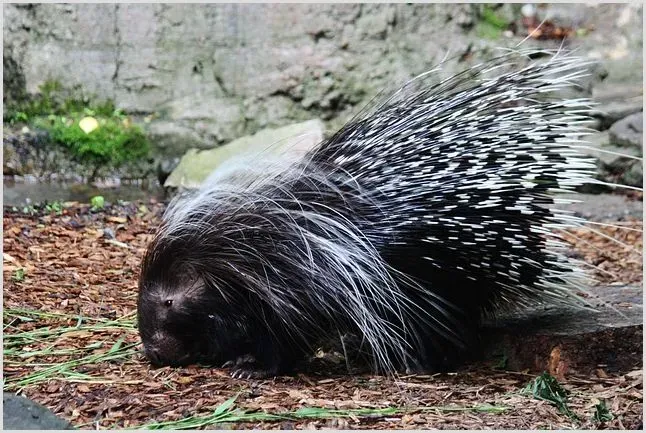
[430,210]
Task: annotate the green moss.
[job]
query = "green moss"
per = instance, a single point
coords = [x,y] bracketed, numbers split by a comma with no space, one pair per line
[53,98]
[97,202]
[114,142]
[58,111]
[546,387]
[18,275]
[602,412]
[490,24]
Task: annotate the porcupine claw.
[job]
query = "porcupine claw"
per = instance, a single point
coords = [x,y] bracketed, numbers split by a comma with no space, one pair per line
[245,368]
[250,373]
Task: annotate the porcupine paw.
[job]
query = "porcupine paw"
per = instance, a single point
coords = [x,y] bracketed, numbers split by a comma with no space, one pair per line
[246,367]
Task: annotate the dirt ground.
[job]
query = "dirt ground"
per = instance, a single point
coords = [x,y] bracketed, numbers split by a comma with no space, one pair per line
[70,285]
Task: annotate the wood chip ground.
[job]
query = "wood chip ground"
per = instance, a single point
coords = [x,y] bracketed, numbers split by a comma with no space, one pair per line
[82,266]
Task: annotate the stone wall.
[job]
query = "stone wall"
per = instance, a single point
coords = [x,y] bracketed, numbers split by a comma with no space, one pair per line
[214,72]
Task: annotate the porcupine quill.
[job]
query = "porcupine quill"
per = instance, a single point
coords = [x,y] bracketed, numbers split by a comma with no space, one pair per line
[431,209]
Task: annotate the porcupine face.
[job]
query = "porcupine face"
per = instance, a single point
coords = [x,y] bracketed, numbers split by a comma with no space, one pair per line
[166,322]
[180,322]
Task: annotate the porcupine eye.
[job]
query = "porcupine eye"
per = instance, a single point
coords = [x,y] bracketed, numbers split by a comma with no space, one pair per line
[168,302]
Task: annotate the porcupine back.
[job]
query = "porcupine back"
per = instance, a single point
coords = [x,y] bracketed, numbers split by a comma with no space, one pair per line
[421,214]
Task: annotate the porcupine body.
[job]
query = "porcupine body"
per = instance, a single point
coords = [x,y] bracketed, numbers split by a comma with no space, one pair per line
[404,228]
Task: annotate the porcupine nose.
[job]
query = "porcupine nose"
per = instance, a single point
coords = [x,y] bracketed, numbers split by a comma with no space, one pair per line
[153,355]
[164,349]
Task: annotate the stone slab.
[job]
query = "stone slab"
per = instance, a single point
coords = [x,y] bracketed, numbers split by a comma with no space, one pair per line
[563,340]
[296,139]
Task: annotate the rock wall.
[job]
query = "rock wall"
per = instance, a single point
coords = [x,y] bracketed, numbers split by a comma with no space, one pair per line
[214,72]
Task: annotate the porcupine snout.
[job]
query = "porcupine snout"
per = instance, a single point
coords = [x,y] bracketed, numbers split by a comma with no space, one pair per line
[164,349]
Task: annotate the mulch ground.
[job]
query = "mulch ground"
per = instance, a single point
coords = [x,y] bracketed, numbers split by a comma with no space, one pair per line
[85,264]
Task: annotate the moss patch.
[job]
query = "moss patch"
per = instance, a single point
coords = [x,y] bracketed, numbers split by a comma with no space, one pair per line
[53,98]
[113,141]
[491,23]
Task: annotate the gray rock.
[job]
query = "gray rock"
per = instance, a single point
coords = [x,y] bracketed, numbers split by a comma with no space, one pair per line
[377,25]
[11,164]
[290,141]
[616,101]
[623,68]
[628,132]
[617,110]
[602,207]
[108,233]
[208,107]
[615,164]
[171,137]
[220,71]
[564,14]
[70,47]
[20,413]
[25,192]
[165,167]
[13,80]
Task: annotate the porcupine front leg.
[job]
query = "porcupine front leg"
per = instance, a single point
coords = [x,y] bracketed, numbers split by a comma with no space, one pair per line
[268,357]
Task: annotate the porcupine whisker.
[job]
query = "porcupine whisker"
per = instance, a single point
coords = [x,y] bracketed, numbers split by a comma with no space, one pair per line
[533,32]
[615,185]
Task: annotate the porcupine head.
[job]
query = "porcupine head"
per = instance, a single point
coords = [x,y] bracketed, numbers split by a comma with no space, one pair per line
[178,317]
[194,305]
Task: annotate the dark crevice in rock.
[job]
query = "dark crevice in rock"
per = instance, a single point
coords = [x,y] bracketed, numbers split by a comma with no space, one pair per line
[117,51]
